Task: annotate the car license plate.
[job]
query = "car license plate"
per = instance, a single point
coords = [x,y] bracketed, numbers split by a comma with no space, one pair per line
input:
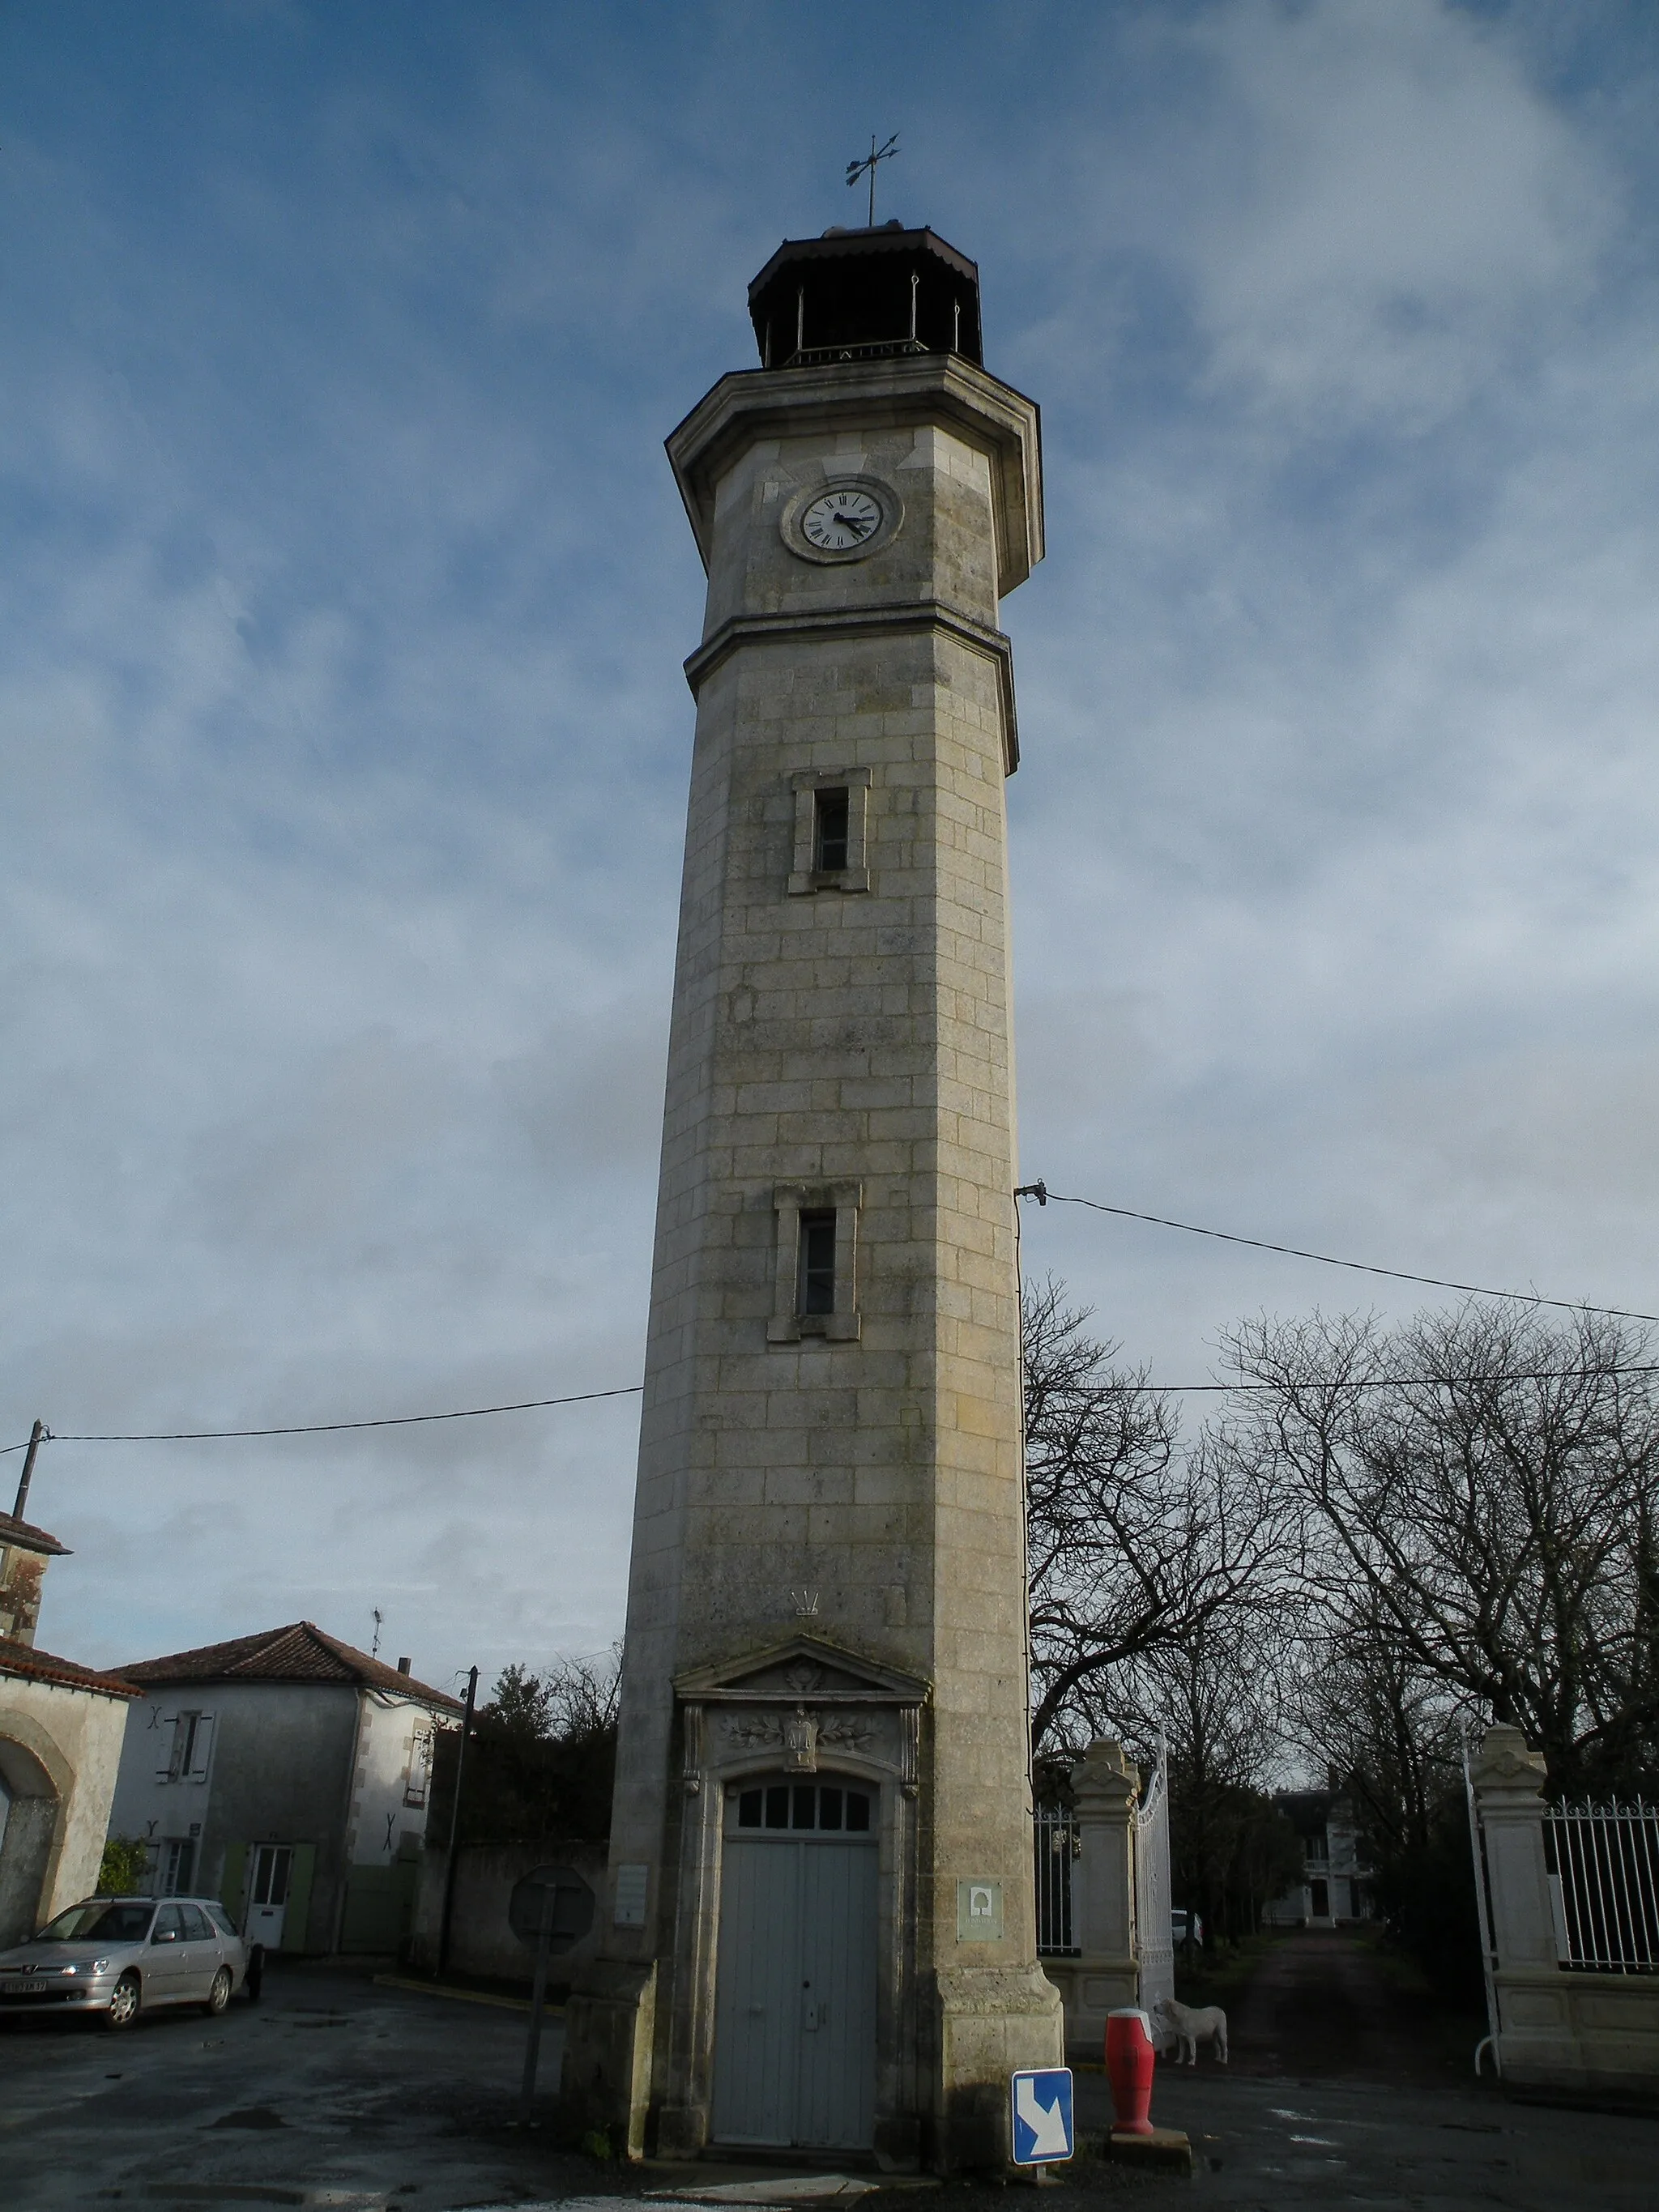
[18,1988]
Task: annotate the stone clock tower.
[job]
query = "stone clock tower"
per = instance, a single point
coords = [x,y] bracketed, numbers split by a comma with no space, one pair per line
[819,1929]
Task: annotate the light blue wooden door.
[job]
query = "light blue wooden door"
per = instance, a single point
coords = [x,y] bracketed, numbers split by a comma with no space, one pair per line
[795,1987]
[757,2001]
[836,2094]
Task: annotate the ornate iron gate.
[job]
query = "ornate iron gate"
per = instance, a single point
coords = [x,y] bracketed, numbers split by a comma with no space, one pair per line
[1603,1862]
[1154,1939]
[1056,1848]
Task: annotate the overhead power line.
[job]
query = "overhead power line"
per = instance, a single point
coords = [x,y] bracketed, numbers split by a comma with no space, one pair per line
[1043,1194]
[329,1428]
[633,1389]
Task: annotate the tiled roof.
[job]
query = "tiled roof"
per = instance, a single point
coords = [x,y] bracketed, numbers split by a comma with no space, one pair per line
[28,1538]
[301,1652]
[23,1660]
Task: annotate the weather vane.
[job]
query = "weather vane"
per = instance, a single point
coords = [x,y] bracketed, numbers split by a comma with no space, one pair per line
[867,167]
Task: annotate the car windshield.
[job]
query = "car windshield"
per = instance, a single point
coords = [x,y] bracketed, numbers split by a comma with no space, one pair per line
[98,1921]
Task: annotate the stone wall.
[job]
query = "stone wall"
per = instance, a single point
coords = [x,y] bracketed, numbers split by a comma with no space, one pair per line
[59,1752]
[481,1942]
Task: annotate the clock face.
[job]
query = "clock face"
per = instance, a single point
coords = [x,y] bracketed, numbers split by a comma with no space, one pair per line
[842,521]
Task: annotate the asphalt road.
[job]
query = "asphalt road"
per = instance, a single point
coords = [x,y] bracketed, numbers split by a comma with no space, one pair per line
[1335,2141]
[1321,2002]
[338,2093]
[332,2091]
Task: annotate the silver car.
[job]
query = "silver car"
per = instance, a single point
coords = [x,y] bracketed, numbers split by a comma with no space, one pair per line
[116,1955]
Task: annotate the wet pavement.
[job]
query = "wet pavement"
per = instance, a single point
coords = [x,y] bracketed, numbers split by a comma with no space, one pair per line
[338,2092]
[1322,2003]
[1330,2141]
[332,2091]
[1348,2085]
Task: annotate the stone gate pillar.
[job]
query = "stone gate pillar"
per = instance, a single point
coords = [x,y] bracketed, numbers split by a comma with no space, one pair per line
[1509,1793]
[1105,1789]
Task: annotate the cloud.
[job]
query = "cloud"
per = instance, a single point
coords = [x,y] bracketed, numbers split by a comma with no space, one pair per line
[1401,208]
[344,745]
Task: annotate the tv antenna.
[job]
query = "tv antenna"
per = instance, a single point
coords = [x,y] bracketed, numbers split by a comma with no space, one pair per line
[869,165]
[380,1622]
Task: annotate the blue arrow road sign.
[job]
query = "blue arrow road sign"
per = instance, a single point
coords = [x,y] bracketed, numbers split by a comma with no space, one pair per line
[1042,2115]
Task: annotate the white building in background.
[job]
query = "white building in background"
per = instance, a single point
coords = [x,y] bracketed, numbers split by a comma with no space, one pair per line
[290,1775]
[1335,1884]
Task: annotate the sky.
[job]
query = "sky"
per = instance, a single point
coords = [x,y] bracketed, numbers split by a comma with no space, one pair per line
[344,745]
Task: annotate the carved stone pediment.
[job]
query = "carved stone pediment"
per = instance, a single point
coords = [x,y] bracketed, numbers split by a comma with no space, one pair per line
[801,1700]
[1105,1778]
[1506,1761]
[808,1671]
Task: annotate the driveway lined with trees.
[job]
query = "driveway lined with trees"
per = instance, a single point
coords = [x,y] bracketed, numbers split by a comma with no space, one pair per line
[1390,1535]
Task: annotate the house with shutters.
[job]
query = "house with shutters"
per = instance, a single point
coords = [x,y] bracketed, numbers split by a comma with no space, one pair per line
[290,1775]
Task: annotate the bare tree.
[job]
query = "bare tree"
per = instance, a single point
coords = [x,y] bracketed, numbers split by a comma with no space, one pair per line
[1215,1697]
[1480,1494]
[543,1755]
[582,1695]
[1361,1707]
[1138,1547]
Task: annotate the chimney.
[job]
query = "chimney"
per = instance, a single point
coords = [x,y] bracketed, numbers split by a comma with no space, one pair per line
[24,1553]
[402,1666]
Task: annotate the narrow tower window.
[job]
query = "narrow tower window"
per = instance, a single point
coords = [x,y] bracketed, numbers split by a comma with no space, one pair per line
[814,1290]
[832,813]
[816,1275]
[830,832]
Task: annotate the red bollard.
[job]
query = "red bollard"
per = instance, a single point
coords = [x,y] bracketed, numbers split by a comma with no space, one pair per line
[1129,2055]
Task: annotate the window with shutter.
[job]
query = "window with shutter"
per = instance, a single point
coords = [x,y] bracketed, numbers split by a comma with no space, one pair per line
[420,1768]
[200,1750]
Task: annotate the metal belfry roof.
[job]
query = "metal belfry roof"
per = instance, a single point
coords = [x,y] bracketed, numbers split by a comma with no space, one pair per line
[862,295]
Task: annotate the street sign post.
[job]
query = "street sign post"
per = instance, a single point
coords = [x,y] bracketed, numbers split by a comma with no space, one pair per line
[1043,2132]
[550,1908]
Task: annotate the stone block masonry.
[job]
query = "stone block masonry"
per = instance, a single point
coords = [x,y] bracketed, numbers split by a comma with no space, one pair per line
[827,1530]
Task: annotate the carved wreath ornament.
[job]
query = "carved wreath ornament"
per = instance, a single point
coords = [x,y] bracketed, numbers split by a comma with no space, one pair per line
[800,1734]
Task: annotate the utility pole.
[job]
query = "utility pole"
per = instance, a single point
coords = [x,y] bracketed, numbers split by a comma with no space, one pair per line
[37,1434]
[455,1822]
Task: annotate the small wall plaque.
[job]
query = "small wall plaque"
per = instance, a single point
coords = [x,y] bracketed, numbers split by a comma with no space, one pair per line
[979,1912]
[631,1882]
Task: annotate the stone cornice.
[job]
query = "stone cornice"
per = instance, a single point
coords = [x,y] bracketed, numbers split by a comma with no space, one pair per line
[934,387]
[867,622]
